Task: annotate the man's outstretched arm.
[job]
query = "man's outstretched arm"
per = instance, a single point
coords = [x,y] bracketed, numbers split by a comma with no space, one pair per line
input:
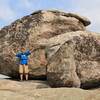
[16,53]
[32,50]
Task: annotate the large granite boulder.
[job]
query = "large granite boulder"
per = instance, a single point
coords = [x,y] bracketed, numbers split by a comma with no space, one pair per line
[74,60]
[32,31]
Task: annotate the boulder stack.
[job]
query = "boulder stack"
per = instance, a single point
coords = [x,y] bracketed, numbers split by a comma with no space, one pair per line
[72,51]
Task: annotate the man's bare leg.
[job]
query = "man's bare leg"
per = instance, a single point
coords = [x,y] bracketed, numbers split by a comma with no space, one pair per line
[26,76]
[21,71]
[26,71]
[21,76]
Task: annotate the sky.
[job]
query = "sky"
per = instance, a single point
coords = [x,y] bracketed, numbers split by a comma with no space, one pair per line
[10,10]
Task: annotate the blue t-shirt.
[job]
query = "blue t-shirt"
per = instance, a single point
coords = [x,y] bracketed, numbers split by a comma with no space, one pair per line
[23,57]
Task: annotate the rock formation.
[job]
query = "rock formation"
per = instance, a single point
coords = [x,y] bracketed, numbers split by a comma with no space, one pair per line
[74,60]
[32,31]
[71,50]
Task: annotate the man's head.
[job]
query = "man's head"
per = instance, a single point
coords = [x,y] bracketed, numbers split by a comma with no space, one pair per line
[23,50]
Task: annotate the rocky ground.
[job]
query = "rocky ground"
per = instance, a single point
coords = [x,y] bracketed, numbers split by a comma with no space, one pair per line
[40,90]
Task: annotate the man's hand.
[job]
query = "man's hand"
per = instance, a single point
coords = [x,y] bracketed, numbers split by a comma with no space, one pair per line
[14,51]
[32,50]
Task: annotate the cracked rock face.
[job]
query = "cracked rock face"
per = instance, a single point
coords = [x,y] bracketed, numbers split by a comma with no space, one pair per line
[74,60]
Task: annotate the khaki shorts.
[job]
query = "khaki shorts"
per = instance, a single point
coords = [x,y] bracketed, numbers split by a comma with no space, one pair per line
[23,69]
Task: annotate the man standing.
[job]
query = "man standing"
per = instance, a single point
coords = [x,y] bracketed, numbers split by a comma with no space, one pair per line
[23,60]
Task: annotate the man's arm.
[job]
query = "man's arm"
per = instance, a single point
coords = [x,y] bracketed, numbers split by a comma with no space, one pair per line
[13,53]
[9,57]
[32,50]
[16,53]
